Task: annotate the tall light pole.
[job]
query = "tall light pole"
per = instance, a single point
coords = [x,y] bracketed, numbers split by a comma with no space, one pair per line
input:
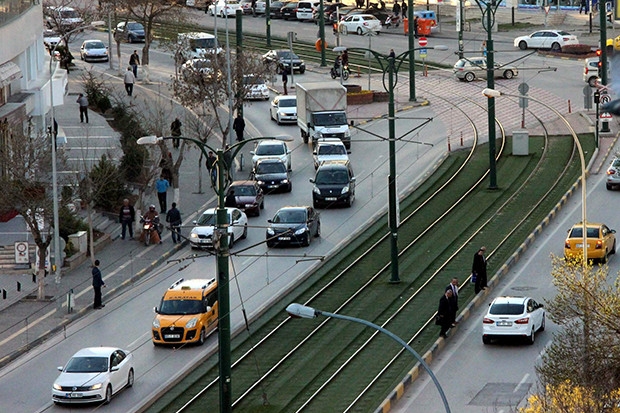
[491,93]
[302,311]
[57,251]
[389,65]
[222,253]
[410,38]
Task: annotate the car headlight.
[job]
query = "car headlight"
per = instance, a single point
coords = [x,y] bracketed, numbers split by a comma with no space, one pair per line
[285,181]
[156,323]
[300,231]
[191,323]
[57,386]
[347,133]
[316,190]
[260,182]
[271,232]
[345,190]
[95,386]
[193,235]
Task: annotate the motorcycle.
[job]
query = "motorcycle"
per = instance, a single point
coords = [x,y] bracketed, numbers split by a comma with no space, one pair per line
[340,71]
[392,20]
[149,231]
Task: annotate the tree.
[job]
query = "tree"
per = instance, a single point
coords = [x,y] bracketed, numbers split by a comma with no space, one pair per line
[26,187]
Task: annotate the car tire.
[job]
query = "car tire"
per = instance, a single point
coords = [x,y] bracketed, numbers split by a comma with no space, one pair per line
[605,258]
[262,205]
[556,47]
[486,340]
[108,395]
[202,337]
[531,339]
[316,204]
[245,232]
[271,244]
[130,39]
[349,201]
[609,187]
[613,249]
[302,71]
[542,325]
[359,31]
[470,77]
[130,378]
[318,230]
[306,240]
[522,45]
[509,74]
[231,241]
[290,187]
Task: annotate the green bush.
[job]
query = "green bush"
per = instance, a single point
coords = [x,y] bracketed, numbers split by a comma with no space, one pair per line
[577,49]
[97,92]
[107,185]
[69,223]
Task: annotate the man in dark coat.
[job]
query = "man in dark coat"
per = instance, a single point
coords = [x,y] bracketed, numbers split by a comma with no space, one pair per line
[231,199]
[479,270]
[444,313]
[454,300]
[97,284]
[126,217]
[173,217]
[239,126]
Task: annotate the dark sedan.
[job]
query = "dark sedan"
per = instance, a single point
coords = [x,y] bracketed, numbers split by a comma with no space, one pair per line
[249,197]
[284,58]
[275,9]
[130,31]
[289,11]
[294,225]
[272,175]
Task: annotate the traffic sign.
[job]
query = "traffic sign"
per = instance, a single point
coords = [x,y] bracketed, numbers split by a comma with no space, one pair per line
[422,41]
[605,115]
[605,99]
[423,53]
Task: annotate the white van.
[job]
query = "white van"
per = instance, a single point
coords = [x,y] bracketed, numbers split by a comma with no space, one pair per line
[63,18]
[196,45]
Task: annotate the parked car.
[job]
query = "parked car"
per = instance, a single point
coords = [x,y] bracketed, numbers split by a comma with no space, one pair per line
[249,196]
[201,235]
[224,8]
[473,68]
[328,9]
[285,58]
[600,239]
[289,10]
[199,67]
[304,10]
[94,51]
[293,225]
[360,24]
[591,73]
[130,31]
[272,175]
[51,39]
[513,317]
[255,87]
[272,149]
[334,184]
[329,150]
[246,6]
[546,39]
[94,375]
[283,109]
[275,9]
[613,173]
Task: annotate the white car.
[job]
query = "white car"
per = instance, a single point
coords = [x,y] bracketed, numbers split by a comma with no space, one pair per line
[255,87]
[94,375]
[246,6]
[94,50]
[224,8]
[546,39]
[202,234]
[513,316]
[272,149]
[283,109]
[204,67]
[360,24]
[329,150]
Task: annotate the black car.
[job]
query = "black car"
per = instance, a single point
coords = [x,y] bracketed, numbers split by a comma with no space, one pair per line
[248,197]
[289,11]
[275,9]
[130,31]
[328,9]
[293,225]
[284,58]
[334,184]
[272,175]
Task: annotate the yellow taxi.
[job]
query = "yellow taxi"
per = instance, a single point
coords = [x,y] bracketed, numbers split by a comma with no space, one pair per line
[600,239]
[613,45]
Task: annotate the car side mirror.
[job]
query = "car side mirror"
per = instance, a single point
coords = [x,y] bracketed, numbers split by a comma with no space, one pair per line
[311,180]
[60,368]
[195,222]
[270,221]
[155,310]
[353,179]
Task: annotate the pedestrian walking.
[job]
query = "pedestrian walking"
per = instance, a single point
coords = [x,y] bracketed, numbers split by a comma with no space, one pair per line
[444,313]
[134,61]
[212,167]
[228,162]
[162,186]
[126,217]
[231,199]
[483,48]
[479,270]
[454,301]
[173,217]
[284,79]
[129,80]
[415,27]
[404,9]
[97,285]
[83,102]
[175,130]
[583,5]
[396,8]
[239,126]
[253,6]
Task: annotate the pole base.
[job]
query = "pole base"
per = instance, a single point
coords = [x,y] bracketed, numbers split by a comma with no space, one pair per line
[605,127]
[396,281]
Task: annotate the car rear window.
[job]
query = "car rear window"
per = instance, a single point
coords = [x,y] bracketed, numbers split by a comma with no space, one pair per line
[577,232]
[506,309]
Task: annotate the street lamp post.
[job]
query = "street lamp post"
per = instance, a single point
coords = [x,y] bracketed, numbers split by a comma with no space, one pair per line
[491,93]
[390,65]
[302,311]
[57,252]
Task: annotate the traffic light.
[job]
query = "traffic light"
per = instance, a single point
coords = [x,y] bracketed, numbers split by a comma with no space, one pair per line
[599,54]
[597,97]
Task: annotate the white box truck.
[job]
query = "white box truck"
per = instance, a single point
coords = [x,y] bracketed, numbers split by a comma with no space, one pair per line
[322,111]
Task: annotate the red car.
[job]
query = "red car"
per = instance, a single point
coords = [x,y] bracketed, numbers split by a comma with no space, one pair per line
[249,196]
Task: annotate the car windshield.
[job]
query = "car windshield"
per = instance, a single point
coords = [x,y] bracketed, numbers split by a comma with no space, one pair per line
[87,365]
[252,80]
[94,45]
[287,103]
[506,309]
[331,150]
[577,232]
[290,216]
[331,177]
[263,150]
[135,26]
[616,163]
[563,33]
[205,43]
[287,55]
[330,119]
[208,219]
[69,14]
[181,307]
[270,168]
[245,190]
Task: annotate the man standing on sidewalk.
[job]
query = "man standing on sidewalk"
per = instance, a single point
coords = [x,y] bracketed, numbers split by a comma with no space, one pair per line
[83,102]
[97,284]
[127,216]
[129,80]
[174,218]
[162,190]
[239,126]
[134,61]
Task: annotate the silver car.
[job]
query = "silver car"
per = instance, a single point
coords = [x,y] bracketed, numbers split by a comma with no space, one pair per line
[613,174]
[468,70]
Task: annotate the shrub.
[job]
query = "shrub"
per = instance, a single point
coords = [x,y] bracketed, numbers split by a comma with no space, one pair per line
[107,185]
[577,49]
[97,92]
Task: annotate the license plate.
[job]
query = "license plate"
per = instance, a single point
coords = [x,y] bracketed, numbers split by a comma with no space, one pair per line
[74,395]
[172,336]
[284,238]
[331,198]
[579,245]
[272,186]
[504,323]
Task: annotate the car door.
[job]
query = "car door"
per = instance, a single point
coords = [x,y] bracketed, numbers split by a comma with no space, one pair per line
[550,38]
[238,225]
[117,375]
[608,237]
[312,221]
[351,182]
[479,67]
[537,40]
[535,312]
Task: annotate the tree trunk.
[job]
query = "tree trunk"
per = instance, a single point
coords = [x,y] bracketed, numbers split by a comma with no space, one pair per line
[41,273]
[91,238]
